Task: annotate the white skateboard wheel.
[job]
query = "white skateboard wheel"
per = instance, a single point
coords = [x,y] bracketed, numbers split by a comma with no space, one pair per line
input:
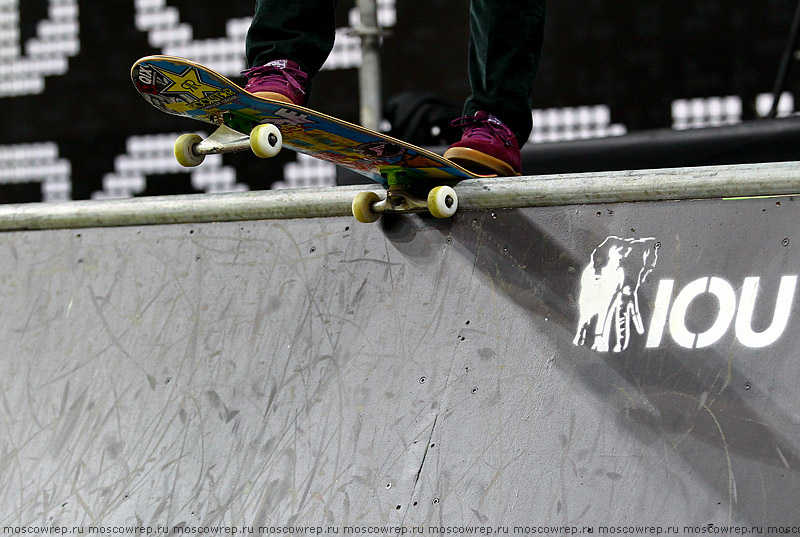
[442,201]
[362,207]
[266,140]
[184,149]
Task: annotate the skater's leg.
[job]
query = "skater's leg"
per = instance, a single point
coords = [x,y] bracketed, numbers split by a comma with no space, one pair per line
[299,30]
[287,44]
[505,47]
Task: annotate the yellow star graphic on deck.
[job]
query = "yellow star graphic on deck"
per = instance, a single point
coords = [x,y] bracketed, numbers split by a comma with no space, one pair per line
[187,83]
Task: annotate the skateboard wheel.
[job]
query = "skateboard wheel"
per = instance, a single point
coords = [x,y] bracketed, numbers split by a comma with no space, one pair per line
[185,150]
[442,202]
[266,140]
[362,207]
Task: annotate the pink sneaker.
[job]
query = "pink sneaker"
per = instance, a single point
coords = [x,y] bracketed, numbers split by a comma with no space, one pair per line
[279,80]
[486,147]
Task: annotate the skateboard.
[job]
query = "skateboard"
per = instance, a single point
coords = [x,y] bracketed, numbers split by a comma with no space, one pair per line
[415,179]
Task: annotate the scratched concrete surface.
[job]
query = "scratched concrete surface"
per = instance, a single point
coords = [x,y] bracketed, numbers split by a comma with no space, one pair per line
[413,372]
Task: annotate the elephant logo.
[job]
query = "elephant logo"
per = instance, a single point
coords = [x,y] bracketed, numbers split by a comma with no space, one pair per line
[609,296]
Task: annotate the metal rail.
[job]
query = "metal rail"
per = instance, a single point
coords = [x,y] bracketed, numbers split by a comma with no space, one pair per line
[742,180]
[369,74]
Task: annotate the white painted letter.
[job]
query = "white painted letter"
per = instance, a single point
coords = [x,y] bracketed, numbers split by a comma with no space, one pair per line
[660,312]
[783,306]
[677,319]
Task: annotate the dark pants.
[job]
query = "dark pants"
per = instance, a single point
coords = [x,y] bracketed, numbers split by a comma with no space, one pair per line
[505,47]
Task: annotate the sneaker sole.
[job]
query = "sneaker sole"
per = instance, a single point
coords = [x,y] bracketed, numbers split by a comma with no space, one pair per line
[480,163]
[272,96]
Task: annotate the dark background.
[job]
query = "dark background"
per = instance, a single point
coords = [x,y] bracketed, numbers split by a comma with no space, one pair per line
[636,57]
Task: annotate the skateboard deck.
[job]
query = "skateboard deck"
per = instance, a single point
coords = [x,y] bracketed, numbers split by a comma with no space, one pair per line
[185,88]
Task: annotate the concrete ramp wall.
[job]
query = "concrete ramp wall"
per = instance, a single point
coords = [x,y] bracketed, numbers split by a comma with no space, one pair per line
[535,369]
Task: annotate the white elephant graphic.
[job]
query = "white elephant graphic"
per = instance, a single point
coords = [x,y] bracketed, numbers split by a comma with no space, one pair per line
[609,295]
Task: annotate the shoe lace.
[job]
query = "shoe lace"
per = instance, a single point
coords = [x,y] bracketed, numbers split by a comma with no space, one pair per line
[268,73]
[485,130]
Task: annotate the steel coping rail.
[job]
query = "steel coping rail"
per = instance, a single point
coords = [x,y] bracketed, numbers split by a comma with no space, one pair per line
[742,180]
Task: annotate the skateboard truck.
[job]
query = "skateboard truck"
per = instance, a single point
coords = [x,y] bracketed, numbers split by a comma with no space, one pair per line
[441,201]
[265,141]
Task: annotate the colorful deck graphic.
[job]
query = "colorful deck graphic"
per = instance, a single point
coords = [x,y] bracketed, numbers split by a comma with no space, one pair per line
[184,88]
